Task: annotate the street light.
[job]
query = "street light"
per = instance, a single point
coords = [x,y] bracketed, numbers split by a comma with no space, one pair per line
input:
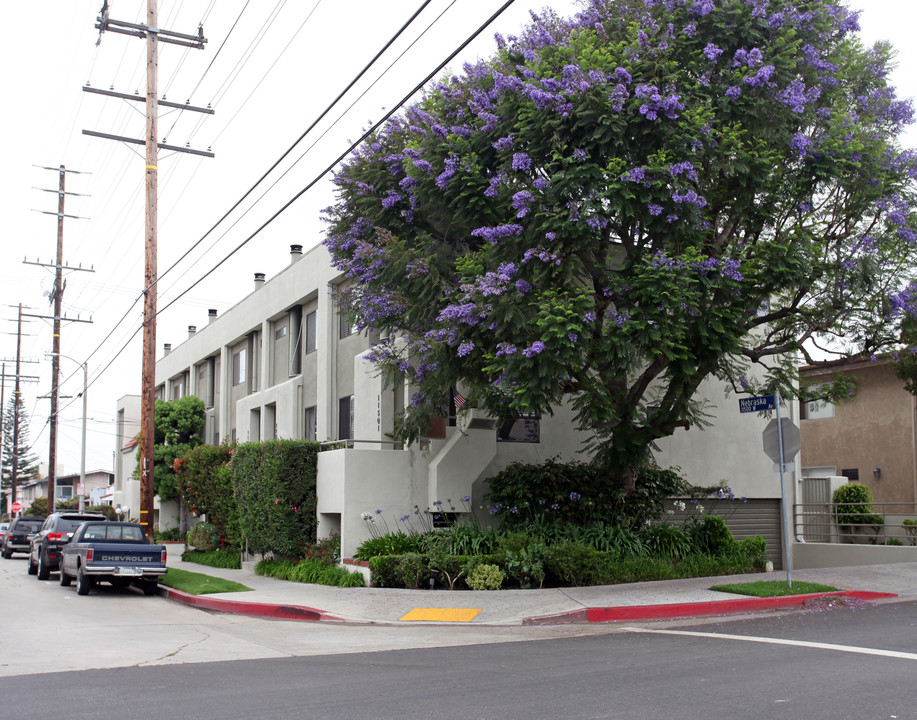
[51,501]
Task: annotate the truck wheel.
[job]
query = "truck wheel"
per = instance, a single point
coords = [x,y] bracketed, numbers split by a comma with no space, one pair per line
[83,582]
[7,555]
[44,572]
[33,568]
[149,587]
[64,577]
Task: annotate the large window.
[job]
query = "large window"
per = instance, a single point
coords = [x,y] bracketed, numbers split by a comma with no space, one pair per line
[310,425]
[295,315]
[310,332]
[345,418]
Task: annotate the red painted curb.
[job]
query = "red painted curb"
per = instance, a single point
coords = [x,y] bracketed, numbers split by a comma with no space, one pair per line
[234,607]
[717,607]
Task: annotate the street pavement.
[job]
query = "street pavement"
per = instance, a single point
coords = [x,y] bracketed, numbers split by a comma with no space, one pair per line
[667,599]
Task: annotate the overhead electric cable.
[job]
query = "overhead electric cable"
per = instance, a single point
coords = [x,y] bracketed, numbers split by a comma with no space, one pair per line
[311,184]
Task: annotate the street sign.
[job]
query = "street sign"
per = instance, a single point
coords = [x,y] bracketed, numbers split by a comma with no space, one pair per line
[791,441]
[16,507]
[757,404]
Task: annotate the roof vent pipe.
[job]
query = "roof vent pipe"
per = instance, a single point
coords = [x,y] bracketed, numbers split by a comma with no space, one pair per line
[192,329]
[259,280]
[295,253]
[211,314]
[166,348]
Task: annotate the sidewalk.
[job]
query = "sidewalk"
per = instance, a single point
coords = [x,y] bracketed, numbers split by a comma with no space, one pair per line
[279,599]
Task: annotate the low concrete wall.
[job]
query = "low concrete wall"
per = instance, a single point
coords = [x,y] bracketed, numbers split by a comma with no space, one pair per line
[818,555]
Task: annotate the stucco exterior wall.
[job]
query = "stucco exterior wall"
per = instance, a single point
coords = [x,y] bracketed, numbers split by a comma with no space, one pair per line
[874,428]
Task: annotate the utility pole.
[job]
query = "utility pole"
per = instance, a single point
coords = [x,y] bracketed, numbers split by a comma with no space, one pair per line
[153,35]
[57,295]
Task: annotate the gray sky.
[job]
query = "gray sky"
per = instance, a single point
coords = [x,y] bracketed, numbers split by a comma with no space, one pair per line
[270,77]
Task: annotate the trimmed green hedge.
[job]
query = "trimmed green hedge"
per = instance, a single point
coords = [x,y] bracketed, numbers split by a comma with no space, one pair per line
[310,571]
[205,482]
[230,558]
[275,490]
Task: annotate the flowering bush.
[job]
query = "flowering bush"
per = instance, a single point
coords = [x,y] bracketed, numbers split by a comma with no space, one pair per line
[615,206]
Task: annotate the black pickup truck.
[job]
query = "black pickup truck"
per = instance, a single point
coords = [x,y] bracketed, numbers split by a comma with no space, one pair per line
[113,552]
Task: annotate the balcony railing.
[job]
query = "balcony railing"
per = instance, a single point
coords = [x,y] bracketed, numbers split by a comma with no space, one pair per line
[872,524]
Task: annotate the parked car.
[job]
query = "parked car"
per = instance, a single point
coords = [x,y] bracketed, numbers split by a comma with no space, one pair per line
[113,552]
[17,537]
[4,526]
[45,545]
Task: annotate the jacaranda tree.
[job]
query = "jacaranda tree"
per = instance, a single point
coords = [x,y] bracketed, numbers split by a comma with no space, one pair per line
[617,206]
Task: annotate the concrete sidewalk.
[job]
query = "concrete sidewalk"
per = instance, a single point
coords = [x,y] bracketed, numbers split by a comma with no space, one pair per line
[271,598]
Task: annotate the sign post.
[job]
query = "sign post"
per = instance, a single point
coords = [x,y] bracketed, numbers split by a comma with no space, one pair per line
[781,443]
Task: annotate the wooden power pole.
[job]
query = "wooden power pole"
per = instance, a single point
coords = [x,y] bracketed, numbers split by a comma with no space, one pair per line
[153,35]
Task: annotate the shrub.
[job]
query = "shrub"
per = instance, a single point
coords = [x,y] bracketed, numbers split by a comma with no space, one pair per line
[204,480]
[413,569]
[893,541]
[571,563]
[665,540]
[170,535]
[578,493]
[230,558]
[485,577]
[526,566]
[204,536]
[853,503]
[326,550]
[752,547]
[711,536]
[396,543]
[310,571]
[383,571]
[275,489]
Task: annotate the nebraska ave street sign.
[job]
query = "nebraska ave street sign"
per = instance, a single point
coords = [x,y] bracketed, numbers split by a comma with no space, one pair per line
[757,404]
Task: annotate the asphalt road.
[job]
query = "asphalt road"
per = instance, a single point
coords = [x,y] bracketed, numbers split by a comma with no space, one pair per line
[159,662]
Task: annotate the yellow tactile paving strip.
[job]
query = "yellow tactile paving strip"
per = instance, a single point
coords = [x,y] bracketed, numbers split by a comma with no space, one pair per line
[441,615]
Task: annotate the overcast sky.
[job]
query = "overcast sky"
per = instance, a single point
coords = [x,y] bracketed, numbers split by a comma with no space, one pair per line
[267,79]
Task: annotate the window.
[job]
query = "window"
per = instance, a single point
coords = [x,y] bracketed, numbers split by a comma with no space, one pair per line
[310,424]
[524,429]
[345,418]
[347,328]
[310,332]
[852,475]
[255,339]
[239,367]
[295,317]
[280,332]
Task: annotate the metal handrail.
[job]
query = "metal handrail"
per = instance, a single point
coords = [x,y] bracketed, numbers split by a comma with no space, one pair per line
[824,522]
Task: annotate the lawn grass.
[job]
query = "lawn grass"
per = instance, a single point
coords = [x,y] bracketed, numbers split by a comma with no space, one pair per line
[773,588]
[198,583]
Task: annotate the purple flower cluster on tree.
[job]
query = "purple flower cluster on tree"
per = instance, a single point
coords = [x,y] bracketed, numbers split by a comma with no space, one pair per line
[619,205]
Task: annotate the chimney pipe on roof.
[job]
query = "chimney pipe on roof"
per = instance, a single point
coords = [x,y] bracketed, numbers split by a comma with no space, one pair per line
[295,253]
[192,329]
[212,314]
[259,280]
[166,348]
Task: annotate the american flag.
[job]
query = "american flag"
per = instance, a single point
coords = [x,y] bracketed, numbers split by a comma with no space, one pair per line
[459,401]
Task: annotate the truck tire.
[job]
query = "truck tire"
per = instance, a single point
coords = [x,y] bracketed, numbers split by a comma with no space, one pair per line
[149,587]
[44,572]
[83,582]
[33,568]
[64,577]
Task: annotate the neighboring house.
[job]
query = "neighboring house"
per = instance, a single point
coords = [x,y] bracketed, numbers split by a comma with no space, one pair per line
[126,486]
[97,482]
[870,437]
[283,363]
